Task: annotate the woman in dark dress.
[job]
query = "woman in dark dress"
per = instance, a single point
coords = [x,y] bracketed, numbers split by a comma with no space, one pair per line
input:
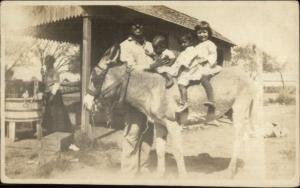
[55,118]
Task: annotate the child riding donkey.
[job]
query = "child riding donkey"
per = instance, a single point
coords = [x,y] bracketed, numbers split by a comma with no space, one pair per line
[197,62]
[163,58]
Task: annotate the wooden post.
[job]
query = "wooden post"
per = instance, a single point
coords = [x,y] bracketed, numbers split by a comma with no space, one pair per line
[260,85]
[39,130]
[12,131]
[85,71]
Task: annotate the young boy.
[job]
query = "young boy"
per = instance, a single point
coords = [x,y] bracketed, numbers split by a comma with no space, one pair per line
[181,67]
[163,58]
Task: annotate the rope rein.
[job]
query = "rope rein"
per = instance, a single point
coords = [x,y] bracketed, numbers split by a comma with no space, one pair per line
[116,84]
[125,77]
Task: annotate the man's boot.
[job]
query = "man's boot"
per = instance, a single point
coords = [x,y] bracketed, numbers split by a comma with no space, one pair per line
[169,80]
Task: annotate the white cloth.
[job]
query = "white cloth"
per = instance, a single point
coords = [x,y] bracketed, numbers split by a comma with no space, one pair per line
[192,59]
[207,50]
[196,73]
[135,54]
[88,101]
[55,87]
[184,59]
[169,55]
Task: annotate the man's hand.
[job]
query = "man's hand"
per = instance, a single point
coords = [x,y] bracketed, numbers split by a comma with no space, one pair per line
[55,87]
[165,61]
[43,69]
[88,101]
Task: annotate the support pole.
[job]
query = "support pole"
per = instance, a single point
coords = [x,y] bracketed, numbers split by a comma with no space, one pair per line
[85,71]
[255,149]
[39,130]
[12,131]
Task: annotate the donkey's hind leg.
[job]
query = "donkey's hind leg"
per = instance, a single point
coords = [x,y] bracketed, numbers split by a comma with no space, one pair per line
[161,135]
[174,130]
[240,119]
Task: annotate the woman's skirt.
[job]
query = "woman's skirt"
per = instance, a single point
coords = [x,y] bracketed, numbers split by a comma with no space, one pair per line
[55,117]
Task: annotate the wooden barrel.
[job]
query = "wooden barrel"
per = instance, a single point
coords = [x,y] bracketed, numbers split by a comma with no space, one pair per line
[22,110]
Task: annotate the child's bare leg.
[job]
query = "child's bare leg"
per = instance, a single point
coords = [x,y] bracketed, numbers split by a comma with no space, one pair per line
[183,95]
[169,79]
[205,81]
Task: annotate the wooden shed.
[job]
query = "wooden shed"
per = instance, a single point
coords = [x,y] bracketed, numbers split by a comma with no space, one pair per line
[96,28]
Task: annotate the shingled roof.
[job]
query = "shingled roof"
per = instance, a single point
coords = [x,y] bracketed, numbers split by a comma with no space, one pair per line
[176,17]
[50,14]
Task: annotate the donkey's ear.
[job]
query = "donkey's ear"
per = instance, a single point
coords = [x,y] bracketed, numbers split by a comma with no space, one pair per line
[114,53]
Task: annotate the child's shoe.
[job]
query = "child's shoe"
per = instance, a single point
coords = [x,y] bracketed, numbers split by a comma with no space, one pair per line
[182,107]
[169,80]
[209,104]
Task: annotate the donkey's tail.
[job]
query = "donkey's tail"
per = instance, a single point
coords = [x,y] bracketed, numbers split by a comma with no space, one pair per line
[255,147]
[256,113]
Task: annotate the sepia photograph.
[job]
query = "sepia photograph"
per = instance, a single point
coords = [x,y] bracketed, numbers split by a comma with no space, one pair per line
[181,93]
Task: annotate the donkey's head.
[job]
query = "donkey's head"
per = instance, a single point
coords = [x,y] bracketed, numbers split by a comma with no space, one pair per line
[107,80]
[105,76]
[114,82]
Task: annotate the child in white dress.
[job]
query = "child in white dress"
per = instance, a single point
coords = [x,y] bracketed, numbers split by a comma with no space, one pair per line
[206,50]
[181,67]
[198,62]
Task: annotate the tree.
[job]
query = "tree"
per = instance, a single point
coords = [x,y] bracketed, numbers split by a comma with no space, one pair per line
[270,64]
[22,51]
[64,53]
[245,56]
[18,52]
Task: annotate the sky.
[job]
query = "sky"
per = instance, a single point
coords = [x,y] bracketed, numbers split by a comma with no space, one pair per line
[272,26]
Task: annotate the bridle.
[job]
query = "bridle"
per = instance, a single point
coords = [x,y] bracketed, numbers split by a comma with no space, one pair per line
[122,81]
[122,84]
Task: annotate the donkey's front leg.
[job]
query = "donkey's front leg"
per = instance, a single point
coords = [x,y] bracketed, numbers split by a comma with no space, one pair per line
[174,130]
[161,134]
[239,124]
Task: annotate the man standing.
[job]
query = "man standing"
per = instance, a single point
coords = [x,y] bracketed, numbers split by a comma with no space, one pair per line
[138,137]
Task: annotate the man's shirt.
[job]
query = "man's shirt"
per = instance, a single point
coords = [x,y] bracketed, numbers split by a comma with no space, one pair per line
[135,54]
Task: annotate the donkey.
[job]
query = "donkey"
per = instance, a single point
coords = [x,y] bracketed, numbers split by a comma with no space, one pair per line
[146,91]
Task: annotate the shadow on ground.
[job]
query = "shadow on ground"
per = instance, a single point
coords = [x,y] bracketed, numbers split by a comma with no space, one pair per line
[201,163]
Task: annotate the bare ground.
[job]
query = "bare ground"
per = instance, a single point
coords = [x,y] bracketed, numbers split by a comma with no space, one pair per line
[207,153]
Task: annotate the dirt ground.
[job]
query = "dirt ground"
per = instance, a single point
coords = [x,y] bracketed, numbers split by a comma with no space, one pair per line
[207,153]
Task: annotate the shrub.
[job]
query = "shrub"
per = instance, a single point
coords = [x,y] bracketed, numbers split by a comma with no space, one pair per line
[284,98]
[278,89]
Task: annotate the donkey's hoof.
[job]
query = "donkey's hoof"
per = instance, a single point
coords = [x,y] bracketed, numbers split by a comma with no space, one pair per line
[183,175]
[159,175]
[230,173]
